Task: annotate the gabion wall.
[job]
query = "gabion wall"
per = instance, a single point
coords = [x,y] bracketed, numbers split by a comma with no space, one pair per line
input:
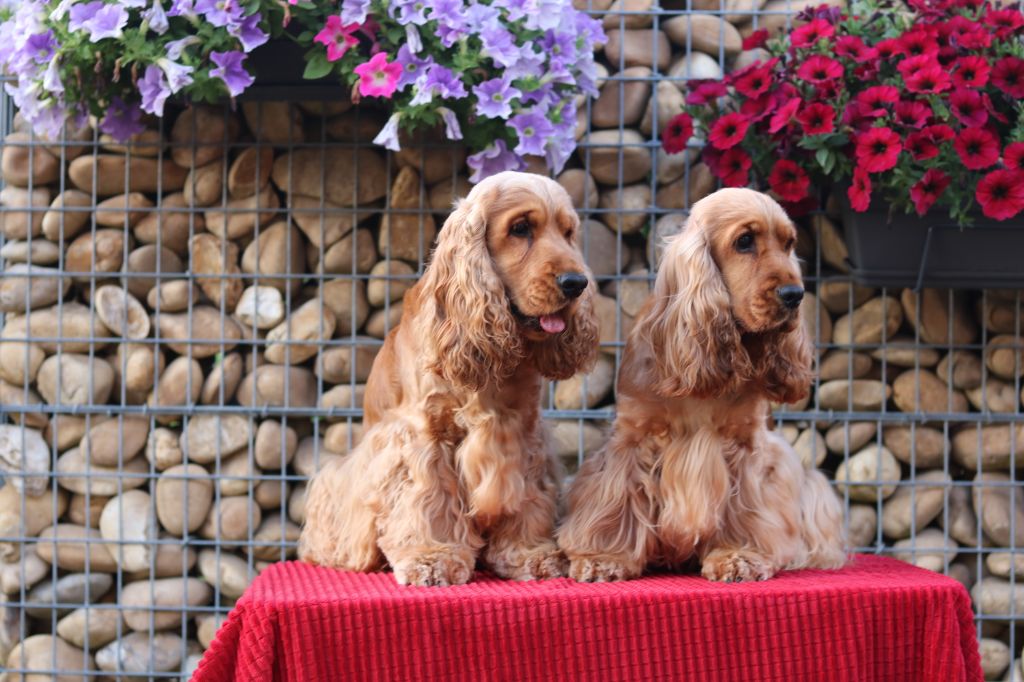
[188,324]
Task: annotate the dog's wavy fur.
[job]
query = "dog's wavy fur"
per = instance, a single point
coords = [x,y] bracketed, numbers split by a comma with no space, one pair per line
[692,470]
[453,465]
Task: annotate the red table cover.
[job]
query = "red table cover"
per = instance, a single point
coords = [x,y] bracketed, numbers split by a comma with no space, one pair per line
[878,619]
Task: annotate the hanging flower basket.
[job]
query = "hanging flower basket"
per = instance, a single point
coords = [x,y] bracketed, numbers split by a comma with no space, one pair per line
[502,76]
[913,107]
[902,250]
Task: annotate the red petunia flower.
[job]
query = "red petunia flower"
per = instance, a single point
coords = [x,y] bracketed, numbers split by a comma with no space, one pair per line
[860,116]
[928,189]
[966,33]
[912,114]
[734,168]
[921,146]
[939,133]
[756,39]
[912,65]
[819,69]
[852,47]
[1006,22]
[784,115]
[991,109]
[1013,156]
[867,71]
[817,119]
[929,80]
[798,209]
[1008,76]
[859,192]
[977,148]
[728,131]
[1001,194]
[919,41]
[877,96]
[810,33]
[700,92]
[931,8]
[889,49]
[788,180]
[968,107]
[755,80]
[878,149]
[971,72]
[677,133]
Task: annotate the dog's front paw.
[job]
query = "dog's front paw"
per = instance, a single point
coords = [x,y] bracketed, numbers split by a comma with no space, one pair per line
[537,564]
[601,569]
[735,566]
[436,569]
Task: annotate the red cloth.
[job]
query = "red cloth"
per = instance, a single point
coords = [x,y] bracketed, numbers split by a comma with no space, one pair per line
[878,619]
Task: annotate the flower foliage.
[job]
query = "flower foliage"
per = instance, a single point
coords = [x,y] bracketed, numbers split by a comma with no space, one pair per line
[504,75]
[913,104]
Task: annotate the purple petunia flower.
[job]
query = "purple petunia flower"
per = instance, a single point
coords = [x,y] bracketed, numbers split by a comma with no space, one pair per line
[589,30]
[133,4]
[409,12]
[558,45]
[354,11]
[154,90]
[529,65]
[450,16]
[494,97]
[178,75]
[40,47]
[412,66]
[493,160]
[122,120]
[516,9]
[451,123]
[229,69]
[388,135]
[533,129]
[176,47]
[249,33]
[544,96]
[439,81]
[558,150]
[480,17]
[500,45]
[544,15]
[182,8]
[156,17]
[99,19]
[412,39]
[51,77]
[220,12]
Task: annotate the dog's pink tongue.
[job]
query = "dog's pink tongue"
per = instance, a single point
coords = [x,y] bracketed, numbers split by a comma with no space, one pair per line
[552,324]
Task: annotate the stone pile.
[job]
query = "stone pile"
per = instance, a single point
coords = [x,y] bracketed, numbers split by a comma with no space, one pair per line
[178,305]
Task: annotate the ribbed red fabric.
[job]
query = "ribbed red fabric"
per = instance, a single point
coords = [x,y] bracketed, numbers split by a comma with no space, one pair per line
[878,619]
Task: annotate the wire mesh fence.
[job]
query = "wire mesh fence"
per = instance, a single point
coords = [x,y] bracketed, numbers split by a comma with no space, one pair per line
[189,322]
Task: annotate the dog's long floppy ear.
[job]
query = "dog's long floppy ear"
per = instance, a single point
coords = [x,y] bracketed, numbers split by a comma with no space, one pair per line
[474,336]
[695,343]
[573,350]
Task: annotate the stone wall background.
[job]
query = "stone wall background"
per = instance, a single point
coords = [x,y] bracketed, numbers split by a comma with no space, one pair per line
[188,323]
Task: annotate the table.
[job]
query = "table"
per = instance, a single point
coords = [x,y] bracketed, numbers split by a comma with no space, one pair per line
[878,619]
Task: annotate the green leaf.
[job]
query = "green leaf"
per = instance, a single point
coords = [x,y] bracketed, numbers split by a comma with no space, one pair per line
[318,67]
[822,157]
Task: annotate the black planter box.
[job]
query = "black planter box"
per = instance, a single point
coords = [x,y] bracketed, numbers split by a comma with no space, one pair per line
[910,251]
[277,66]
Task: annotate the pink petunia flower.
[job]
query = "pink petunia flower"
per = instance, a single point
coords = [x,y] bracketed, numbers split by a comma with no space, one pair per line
[378,78]
[337,37]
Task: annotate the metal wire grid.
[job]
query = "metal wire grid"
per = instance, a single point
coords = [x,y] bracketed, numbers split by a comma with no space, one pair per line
[311,421]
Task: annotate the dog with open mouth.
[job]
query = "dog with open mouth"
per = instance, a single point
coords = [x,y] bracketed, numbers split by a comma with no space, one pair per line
[453,466]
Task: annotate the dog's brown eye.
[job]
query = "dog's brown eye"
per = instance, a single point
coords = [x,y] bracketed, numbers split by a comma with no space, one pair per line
[790,244]
[745,243]
[568,235]
[520,228]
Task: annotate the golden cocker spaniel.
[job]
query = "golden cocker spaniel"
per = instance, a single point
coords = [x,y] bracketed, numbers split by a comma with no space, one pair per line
[453,465]
[692,469]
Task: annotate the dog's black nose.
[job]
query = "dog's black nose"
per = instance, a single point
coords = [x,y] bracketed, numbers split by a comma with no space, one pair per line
[791,295]
[572,284]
